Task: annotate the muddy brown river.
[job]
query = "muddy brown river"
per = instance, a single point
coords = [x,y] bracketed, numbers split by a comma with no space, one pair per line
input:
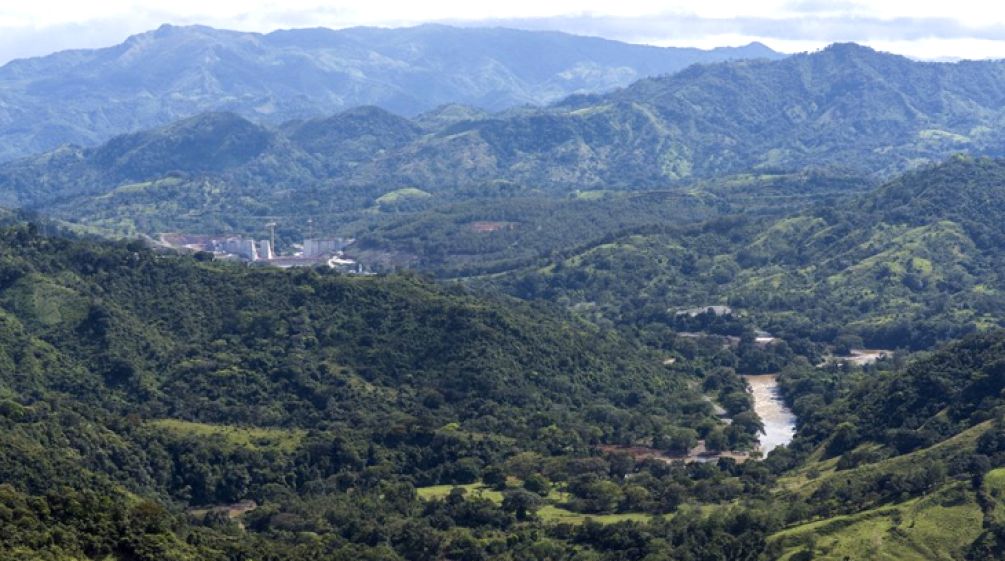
[779,421]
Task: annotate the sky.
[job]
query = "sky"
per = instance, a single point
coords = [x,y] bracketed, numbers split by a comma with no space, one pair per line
[923,29]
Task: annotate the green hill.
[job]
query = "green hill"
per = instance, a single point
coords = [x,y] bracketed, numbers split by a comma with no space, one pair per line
[914,262]
[844,111]
[897,463]
[846,106]
[136,386]
[146,399]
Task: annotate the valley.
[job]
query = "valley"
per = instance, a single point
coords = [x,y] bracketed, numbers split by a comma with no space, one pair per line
[779,422]
[483,294]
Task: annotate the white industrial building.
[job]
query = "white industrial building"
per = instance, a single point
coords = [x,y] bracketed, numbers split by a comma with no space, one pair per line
[240,247]
[246,248]
[318,248]
[265,250]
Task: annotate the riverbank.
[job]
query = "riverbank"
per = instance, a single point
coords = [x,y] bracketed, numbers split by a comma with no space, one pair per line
[779,428]
[779,421]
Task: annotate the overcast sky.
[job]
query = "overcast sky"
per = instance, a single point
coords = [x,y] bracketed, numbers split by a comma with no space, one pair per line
[918,28]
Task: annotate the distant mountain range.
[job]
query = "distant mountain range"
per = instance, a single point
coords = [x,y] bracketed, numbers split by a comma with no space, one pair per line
[87,96]
[846,109]
[847,106]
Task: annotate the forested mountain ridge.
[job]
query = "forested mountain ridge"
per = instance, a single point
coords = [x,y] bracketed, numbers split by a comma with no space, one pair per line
[914,262]
[950,391]
[160,179]
[143,394]
[896,462]
[846,106]
[176,72]
[158,407]
[124,315]
[846,110]
[219,147]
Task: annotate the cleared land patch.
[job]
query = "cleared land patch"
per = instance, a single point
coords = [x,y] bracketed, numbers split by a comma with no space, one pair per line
[255,438]
[551,511]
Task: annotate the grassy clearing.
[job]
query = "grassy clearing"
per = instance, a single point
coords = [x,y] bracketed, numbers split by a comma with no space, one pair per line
[255,438]
[551,512]
[401,194]
[133,188]
[47,303]
[939,526]
[994,485]
[558,515]
[995,480]
[592,194]
[941,135]
[473,490]
[801,482]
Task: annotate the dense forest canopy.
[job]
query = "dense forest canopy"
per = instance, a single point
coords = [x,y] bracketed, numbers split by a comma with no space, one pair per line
[161,391]
[551,362]
[911,263]
[186,382]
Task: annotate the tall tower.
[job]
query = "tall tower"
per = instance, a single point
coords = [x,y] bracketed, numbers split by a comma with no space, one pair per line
[272,235]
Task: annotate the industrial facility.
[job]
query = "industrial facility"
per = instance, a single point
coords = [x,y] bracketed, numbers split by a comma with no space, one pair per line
[312,252]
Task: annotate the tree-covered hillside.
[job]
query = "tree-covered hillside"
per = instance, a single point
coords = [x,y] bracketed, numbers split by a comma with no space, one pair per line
[937,397]
[846,106]
[219,173]
[898,463]
[158,407]
[223,343]
[142,393]
[512,228]
[845,111]
[914,262]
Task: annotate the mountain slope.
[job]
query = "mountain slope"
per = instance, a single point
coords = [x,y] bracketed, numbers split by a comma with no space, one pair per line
[846,110]
[898,462]
[352,136]
[102,307]
[220,145]
[87,96]
[914,262]
[162,407]
[846,106]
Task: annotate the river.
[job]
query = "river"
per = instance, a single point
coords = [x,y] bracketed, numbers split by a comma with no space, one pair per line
[779,421]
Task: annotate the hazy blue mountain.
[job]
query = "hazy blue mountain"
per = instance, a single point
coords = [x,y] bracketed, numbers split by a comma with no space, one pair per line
[449,114]
[846,106]
[87,96]
[212,144]
[845,111]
